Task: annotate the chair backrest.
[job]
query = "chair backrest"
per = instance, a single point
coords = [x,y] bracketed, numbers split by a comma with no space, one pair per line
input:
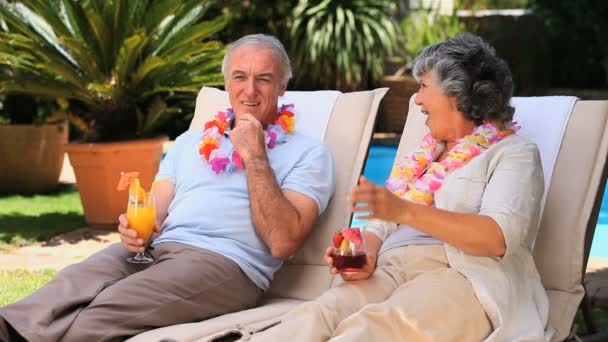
[347,131]
[560,251]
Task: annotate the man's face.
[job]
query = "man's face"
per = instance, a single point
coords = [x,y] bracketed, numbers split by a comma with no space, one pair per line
[254,82]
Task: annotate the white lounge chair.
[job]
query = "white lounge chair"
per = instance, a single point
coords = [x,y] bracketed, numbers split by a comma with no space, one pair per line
[573,194]
[575,176]
[344,121]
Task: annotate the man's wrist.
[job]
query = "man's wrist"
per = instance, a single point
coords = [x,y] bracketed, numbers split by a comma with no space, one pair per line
[256,162]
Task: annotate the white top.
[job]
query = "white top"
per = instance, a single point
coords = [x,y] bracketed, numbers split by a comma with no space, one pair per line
[506,183]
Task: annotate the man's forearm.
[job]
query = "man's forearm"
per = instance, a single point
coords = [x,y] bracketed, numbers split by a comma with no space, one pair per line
[275,219]
[164,191]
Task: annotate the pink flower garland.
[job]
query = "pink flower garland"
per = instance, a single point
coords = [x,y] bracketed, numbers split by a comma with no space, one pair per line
[408,178]
[213,136]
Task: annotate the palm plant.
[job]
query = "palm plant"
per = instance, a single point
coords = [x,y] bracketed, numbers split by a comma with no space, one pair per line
[122,64]
[423,28]
[342,43]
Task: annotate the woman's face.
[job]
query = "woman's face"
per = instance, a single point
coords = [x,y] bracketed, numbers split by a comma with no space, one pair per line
[444,120]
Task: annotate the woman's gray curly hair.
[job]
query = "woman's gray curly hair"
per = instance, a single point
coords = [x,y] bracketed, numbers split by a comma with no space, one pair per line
[467,68]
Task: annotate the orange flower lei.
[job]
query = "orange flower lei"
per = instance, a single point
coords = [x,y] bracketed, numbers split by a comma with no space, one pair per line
[217,129]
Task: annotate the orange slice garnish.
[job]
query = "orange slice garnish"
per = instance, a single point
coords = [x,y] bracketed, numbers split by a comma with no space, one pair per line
[126,178]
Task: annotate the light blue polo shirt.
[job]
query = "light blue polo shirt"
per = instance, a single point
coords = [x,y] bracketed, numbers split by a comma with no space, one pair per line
[212,211]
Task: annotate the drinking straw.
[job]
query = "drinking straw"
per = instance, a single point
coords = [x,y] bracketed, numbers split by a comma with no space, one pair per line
[156,181]
[154,184]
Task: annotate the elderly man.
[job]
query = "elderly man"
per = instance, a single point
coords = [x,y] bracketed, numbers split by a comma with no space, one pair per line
[234,199]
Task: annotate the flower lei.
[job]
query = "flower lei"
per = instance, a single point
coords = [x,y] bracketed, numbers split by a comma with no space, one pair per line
[217,129]
[408,178]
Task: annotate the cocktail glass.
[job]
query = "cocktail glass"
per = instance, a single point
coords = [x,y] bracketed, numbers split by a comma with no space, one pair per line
[349,253]
[141,215]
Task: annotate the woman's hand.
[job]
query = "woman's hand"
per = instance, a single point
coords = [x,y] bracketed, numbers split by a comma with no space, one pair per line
[366,271]
[379,202]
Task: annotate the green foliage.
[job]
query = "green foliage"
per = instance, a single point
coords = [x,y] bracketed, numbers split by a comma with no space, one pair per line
[120,62]
[599,313]
[17,284]
[18,109]
[419,29]
[27,219]
[491,4]
[258,16]
[577,32]
[423,28]
[341,44]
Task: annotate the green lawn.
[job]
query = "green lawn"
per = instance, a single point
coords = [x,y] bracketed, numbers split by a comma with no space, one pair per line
[600,318]
[600,315]
[16,284]
[27,219]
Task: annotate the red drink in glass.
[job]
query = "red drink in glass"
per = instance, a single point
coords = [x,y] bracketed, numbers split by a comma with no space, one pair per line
[348,263]
[349,251]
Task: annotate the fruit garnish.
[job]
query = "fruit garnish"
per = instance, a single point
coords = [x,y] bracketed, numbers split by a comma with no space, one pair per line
[136,189]
[338,238]
[344,246]
[126,178]
[353,235]
[130,180]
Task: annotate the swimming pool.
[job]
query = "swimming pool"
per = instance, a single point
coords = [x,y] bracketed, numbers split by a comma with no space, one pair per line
[380,161]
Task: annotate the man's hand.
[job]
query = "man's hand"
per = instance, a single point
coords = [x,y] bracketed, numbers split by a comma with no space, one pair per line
[128,237]
[248,138]
[366,271]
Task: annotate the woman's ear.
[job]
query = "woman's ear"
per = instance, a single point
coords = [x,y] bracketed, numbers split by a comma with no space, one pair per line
[453,103]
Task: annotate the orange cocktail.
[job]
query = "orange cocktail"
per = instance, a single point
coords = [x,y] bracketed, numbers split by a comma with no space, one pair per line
[141,217]
[141,212]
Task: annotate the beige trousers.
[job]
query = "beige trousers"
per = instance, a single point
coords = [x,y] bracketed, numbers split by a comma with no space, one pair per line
[104,298]
[412,296]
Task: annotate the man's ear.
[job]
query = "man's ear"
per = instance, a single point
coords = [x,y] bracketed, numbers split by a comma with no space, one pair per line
[283,89]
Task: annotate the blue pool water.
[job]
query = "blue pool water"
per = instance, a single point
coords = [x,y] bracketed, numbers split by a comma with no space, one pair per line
[380,161]
[599,248]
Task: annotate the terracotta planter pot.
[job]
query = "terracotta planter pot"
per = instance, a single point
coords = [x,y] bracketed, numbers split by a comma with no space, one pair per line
[394,106]
[97,169]
[32,157]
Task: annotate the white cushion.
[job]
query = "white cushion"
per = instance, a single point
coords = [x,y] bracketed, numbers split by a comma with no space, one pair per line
[560,250]
[312,108]
[543,120]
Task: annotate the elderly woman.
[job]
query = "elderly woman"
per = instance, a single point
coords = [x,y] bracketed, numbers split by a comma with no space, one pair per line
[454,227]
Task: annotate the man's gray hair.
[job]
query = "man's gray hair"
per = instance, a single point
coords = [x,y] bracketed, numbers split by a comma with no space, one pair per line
[467,68]
[266,41]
